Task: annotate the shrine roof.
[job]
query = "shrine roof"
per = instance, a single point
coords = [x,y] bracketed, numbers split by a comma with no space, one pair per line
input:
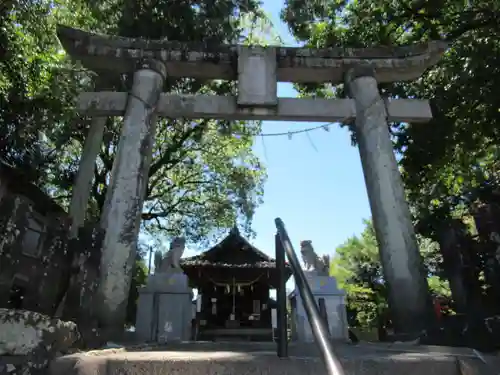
[234,251]
[189,262]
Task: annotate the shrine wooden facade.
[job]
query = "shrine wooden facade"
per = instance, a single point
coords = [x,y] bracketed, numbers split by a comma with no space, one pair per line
[233,280]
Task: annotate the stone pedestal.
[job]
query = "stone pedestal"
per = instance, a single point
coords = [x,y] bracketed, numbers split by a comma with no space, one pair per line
[323,287]
[164,309]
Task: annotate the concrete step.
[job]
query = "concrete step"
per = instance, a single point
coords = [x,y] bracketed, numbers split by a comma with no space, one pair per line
[219,359]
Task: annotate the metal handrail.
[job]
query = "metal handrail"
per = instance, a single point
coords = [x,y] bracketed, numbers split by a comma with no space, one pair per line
[319,330]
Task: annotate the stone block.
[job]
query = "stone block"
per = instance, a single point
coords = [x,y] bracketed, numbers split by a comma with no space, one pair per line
[258,359]
[175,282]
[164,309]
[257,82]
[144,317]
[326,288]
[28,341]
[174,317]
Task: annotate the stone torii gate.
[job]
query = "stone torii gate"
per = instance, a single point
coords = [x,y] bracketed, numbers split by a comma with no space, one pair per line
[257,71]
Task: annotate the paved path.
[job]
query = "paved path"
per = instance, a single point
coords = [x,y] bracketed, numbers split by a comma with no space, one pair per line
[308,350]
[234,358]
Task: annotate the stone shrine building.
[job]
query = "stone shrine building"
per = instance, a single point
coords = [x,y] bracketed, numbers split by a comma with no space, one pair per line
[233,280]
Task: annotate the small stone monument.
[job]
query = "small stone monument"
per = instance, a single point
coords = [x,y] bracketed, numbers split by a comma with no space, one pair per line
[164,306]
[323,286]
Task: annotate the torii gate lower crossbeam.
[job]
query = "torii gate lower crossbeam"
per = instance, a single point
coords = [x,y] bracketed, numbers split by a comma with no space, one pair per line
[257,71]
[226,108]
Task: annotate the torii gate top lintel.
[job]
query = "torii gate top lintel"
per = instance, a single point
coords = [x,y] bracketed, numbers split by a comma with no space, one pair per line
[197,60]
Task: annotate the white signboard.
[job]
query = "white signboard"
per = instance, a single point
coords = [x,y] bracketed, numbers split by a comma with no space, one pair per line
[274,318]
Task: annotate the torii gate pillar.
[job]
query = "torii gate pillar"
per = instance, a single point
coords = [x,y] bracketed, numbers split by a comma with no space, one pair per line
[399,253]
[122,210]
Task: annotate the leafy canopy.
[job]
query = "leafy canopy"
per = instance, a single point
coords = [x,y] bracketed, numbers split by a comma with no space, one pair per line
[356,266]
[202,177]
[453,159]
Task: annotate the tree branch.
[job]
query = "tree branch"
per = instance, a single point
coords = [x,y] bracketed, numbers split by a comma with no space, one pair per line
[177,146]
[468,20]
[172,209]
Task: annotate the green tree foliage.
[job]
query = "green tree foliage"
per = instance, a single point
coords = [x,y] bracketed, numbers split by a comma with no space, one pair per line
[36,88]
[204,176]
[139,279]
[358,270]
[452,160]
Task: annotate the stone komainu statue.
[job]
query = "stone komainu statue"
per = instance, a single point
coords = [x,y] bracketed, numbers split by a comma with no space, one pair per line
[172,258]
[312,261]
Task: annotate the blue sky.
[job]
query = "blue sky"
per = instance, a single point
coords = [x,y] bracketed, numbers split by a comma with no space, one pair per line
[315,181]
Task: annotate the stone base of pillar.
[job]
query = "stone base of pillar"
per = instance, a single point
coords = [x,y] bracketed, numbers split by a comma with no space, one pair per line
[165,309]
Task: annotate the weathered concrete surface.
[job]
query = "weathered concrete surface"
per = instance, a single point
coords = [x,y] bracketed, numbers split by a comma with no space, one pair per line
[257,77]
[118,54]
[81,298]
[23,331]
[40,270]
[125,196]
[225,107]
[401,261]
[260,358]
[469,366]
[83,183]
[28,340]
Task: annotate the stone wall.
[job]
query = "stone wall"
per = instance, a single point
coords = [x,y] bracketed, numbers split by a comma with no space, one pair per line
[32,266]
[39,265]
[80,300]
[29,341]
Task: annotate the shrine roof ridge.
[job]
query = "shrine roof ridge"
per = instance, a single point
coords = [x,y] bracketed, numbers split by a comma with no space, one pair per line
[206,263]
[200,60]
[233,241]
